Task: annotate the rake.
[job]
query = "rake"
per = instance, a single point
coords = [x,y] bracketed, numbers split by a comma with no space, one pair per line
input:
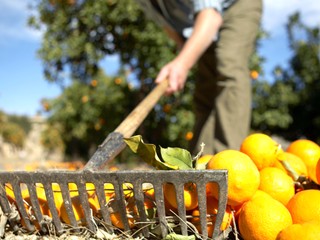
[34,218]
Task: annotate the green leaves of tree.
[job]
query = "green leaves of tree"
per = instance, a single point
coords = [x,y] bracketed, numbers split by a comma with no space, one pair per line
[290,104]
[79,34]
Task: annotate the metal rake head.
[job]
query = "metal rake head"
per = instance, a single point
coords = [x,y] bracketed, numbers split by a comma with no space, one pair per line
[97,197]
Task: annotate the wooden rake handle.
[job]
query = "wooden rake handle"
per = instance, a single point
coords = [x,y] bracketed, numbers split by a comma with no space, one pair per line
[114,143]
[130,124]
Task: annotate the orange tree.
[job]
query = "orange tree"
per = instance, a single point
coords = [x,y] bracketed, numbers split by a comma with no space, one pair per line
[289,105]
[85,113]
[80,34]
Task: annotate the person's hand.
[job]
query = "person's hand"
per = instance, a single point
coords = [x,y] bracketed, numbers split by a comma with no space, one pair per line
[207,24]
[176,73]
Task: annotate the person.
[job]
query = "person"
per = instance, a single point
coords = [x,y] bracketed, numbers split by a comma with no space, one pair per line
[219,36]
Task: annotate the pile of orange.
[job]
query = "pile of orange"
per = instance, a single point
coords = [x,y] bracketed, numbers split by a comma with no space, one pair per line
[79,215]
[279,210]
[262,192]
[266,201]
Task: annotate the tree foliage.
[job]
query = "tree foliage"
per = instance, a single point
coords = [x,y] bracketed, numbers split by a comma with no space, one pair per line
[290,104]
[79,34]
[305,77]
[84,114]
[14,128]
[12,133]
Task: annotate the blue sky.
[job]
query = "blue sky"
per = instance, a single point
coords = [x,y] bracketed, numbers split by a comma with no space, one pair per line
[22,84]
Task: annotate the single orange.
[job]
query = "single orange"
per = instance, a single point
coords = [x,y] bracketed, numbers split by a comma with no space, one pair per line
[304,231]
[108,188]
[77,209]
[263,217]
[113,168]
[304,206]
[286,159]
[190,195]
[73,189]
[277,184]
[188,136]
[117,221]
[127,190]
[212,210]
[9,192]
[309,152]
[131,213]
[91,189]
[149,198]
[254,74]
[243,176]
[261,148]
[42,198]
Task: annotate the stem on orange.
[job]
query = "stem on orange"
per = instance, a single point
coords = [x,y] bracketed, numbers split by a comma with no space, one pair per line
[291,171]
[195,159]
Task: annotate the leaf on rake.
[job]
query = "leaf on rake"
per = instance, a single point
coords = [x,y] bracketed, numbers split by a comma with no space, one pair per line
[147,152]
[178,157]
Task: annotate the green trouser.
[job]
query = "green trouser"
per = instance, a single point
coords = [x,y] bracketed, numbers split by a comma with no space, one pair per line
[222,98]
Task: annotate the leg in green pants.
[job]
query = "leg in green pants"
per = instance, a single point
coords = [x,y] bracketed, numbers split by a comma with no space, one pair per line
[223,86]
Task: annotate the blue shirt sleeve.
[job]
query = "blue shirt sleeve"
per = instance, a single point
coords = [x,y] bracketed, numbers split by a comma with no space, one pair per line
[199,5]
[218,5]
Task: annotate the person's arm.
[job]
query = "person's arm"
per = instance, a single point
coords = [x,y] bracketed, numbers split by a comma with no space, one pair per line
[207,24]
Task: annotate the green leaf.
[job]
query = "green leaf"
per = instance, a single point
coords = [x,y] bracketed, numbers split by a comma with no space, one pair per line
[174,236]
[147,152]
[177,157]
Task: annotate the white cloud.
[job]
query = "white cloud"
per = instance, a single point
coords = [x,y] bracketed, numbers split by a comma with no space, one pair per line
[13,22]
[276,13]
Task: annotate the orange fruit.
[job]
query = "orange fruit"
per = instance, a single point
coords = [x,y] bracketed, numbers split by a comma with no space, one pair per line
[188,136]
[127,189]
[304,231]
[91,189]
[190,195]
[113,168]
[94,83]
[295,162]
[149,198]
[42,198]
[77,209]
[263,217]
[131,211]
[9,192]
[117,221]
[202,161]
[309,152]
[108,191]
[254,74]
[243,176]
[277,184]
[305,206]
[261,148]
[212,210]
[73,189]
